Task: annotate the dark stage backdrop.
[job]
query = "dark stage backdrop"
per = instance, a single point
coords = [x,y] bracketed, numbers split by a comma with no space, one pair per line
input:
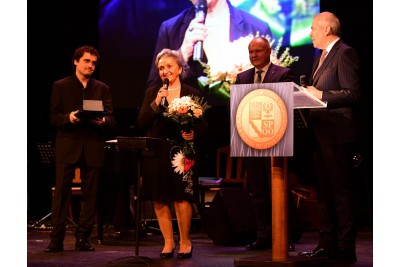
[56,28]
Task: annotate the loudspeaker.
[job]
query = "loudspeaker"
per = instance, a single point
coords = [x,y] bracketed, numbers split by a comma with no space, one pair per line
[230,219]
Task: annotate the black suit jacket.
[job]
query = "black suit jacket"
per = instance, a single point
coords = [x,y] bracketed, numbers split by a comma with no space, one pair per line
[274,74]
[74,139]
[172,33]
[338,78]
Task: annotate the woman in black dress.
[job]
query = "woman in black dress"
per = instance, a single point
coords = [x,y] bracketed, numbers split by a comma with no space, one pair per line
[160,182]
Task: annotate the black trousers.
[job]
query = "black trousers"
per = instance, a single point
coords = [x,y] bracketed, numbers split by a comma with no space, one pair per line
[336,194]
[258,171]
[62,199]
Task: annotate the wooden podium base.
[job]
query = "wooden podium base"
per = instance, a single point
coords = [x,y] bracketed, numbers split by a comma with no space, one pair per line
[280,255]
[296,261]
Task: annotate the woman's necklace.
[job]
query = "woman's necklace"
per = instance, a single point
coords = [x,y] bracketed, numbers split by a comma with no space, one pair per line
[173,92]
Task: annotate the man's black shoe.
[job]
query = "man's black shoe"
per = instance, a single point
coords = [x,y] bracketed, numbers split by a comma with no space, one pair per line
[346,255]
[318,252]
[291,247]
[54,246]
[83,245]
[259,244]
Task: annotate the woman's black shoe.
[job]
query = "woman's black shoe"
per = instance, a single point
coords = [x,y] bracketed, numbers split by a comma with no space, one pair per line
[185,255]
[167,255]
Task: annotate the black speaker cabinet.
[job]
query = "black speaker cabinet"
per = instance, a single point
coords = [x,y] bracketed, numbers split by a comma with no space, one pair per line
[230,220]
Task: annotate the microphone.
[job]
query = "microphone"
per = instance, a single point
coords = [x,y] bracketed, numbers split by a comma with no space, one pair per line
[303,80]
[201,12]
[164,99]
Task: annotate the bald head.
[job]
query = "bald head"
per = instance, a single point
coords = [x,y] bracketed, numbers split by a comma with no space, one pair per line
[259,52]
[260,40]
[328,19]
[325,29]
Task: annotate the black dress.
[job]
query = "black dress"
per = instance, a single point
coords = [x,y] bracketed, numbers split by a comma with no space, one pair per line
[159,181]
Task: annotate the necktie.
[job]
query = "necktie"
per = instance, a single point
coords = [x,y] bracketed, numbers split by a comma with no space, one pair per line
[321,60]
[323,56]
[258,80]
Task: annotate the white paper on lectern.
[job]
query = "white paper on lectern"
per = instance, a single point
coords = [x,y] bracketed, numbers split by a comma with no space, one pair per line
[302,98]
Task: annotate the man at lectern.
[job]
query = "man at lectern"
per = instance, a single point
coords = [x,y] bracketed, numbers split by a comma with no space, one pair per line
[336,81]
[79,143]
[258,169]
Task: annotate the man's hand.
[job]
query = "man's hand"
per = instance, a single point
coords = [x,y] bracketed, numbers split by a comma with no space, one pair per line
[98,121]
[72,118]
[315,92]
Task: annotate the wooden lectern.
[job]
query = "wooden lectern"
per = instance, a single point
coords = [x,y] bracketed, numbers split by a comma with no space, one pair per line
[262,124]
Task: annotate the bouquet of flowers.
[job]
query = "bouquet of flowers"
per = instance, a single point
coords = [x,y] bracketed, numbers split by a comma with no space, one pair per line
[185,112]
[220,75]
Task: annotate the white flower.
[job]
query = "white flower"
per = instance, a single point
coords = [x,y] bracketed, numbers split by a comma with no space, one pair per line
[234,58]
[178,162]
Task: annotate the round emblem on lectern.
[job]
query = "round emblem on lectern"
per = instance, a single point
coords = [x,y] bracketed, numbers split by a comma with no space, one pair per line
[261,119]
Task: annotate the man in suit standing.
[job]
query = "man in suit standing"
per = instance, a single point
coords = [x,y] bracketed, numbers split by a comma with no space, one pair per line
[258,169]
[335,81]
[79,143]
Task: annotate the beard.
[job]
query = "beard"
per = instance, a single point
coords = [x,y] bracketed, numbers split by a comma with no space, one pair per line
[88,73]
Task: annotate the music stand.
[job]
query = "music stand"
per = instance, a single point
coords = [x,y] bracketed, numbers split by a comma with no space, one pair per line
[299,120]
[46,152]
[47,155]
[138,145]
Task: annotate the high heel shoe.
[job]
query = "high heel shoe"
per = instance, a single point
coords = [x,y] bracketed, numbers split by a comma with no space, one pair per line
[167,255]
[183,255]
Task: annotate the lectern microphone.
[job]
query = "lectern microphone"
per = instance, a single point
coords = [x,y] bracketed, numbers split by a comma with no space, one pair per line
[303,80]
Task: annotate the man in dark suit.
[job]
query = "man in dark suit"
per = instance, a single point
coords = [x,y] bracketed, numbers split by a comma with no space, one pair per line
[335,81]
[258,169]
[79,143]
[184,30]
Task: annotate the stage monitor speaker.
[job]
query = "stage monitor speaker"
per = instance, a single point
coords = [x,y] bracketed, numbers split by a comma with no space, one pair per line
[230,220]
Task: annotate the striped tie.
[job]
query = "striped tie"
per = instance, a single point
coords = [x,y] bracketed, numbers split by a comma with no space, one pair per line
[258,80]
[321,60]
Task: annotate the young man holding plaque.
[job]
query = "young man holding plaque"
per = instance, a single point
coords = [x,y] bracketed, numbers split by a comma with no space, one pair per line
[79,143]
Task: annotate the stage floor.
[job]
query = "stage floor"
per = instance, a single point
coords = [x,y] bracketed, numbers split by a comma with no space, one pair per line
[121,250]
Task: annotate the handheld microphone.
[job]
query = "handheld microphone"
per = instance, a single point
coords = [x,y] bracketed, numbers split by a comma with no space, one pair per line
[164,99]
[303,80]
[201,12]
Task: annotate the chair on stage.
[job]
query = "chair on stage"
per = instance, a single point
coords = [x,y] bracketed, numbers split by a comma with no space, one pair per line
[229,173]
